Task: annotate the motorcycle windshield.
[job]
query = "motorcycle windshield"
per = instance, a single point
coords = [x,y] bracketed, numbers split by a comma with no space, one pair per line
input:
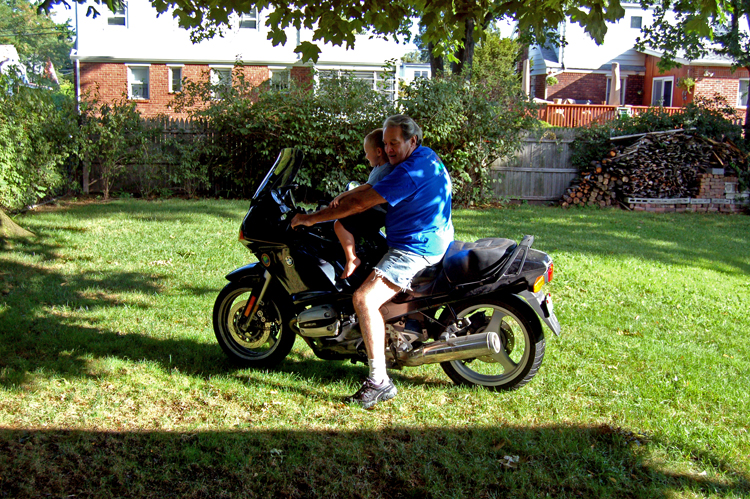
[283,171]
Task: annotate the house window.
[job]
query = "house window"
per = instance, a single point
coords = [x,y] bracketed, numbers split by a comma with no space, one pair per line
[249,20]
[119,16]
[421,74]
[661,93]
[377,80]
[743,93]
[280,79]
[636,22]
[221,80]
[138,82]
[175,79]
[622,90]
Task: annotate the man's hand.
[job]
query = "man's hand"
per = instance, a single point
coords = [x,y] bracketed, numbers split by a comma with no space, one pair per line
[301,219]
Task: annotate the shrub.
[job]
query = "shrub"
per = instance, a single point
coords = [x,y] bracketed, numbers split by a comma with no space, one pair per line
[469,125]
[37,135]
[114,136]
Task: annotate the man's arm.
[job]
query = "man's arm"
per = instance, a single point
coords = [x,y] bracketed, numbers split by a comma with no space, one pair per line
[344,194]
[357,202]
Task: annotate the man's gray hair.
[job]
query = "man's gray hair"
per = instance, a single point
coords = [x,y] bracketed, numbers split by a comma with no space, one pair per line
[409,127]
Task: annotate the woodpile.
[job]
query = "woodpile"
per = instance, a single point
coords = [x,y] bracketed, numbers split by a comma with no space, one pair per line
[655,165]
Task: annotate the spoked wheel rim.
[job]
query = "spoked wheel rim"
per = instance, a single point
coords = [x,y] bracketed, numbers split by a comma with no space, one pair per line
[515,355]
[260,337]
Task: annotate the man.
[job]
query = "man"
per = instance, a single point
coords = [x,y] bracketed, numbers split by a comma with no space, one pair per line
[418,231]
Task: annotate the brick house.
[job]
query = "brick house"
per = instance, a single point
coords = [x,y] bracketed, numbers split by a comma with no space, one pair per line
[132,53]
[583,70]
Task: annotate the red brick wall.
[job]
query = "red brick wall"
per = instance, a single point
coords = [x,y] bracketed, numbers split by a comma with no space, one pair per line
[303,76]
[110,81]
[579,86]
[592,87]
[634,90]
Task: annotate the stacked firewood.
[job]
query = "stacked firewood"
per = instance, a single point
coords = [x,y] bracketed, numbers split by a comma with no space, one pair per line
[656,165]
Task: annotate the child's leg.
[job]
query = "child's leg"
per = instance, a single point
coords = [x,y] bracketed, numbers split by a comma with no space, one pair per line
[347,242]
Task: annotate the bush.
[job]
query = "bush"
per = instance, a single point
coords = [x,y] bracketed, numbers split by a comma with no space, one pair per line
[113,136]
[37,135]
[249,126]
[469,125]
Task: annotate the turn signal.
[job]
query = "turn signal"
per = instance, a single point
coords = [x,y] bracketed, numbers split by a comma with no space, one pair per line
[538,283]
[549,272]
[242,236]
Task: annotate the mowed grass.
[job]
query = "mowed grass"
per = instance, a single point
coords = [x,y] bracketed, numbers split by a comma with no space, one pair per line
[112,383]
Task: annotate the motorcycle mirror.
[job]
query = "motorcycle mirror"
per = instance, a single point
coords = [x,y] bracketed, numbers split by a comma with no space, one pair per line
[352,185]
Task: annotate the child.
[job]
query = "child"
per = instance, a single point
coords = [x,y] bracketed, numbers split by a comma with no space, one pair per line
[368,221]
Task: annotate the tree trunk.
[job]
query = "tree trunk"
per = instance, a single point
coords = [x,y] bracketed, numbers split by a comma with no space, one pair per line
[465,55]
[8,228]
[436,63]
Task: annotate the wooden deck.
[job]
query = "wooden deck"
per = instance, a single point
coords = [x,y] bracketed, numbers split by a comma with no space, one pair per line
[575,115]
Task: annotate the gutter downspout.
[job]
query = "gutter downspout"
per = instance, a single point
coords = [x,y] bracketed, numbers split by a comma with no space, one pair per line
[77,65]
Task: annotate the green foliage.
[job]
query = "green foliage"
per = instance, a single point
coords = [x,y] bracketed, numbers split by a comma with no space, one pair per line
[709,117]
[36,130]
[249,126]
[469,125]
[495,60]
[113,135]
[37,37]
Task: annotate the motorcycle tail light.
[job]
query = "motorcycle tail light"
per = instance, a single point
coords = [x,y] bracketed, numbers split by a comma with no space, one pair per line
[242,236]
[550,271]
[538,283]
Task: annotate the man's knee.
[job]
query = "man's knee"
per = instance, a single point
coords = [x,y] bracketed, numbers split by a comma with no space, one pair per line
[360,300]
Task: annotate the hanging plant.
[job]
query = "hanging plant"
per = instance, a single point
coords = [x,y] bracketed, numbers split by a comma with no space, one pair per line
[686,83]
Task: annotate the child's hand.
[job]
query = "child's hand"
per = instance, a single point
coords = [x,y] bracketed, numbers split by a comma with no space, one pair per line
[336,201]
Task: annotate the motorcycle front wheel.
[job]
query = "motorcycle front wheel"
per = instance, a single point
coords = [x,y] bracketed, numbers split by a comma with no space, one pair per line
[263,342]
[521,337]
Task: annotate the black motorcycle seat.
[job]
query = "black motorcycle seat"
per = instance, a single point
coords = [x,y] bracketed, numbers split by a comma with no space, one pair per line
[469,262]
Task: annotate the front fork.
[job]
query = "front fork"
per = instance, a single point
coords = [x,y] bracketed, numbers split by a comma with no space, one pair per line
[254,302]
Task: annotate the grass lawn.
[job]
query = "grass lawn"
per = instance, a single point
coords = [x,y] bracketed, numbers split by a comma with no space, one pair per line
[112,383]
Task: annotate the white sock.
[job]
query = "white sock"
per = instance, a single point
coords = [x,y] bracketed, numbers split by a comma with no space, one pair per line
[378,372]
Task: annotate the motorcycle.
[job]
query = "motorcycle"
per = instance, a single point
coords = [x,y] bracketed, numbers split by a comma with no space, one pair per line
[476,313]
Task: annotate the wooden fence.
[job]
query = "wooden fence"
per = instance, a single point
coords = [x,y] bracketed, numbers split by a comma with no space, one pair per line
[540,171]
[575,115]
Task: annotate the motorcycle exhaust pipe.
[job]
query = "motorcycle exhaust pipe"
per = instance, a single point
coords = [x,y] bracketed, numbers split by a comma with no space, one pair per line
[461,348]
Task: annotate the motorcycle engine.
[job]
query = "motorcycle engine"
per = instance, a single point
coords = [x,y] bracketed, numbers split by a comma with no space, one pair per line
[319,321]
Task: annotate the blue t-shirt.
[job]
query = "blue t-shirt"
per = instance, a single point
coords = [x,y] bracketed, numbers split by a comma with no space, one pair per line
[418,191]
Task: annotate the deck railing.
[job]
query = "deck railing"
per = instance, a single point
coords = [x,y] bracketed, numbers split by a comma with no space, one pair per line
[575,115]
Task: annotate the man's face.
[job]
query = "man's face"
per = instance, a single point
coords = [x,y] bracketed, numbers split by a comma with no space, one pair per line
[396,147]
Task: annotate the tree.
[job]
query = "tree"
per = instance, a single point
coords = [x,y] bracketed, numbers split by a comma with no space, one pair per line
[693,30]
[451,27]
[495,59]
[37,38]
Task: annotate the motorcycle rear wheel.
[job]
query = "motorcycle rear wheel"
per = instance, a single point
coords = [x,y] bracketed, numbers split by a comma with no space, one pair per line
[522,342]
[267,340]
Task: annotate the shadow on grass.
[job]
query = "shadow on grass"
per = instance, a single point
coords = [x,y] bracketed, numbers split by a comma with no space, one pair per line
[155,211]
[711,241]
[41,329]
[396,462]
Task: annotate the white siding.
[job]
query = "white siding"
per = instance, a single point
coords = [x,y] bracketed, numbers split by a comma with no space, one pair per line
[583,53]
[147,37]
